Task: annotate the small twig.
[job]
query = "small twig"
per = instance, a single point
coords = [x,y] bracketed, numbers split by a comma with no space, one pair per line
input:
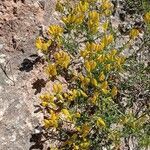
[4,71]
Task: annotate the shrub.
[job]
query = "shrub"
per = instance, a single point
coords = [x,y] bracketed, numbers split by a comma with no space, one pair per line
[83,111]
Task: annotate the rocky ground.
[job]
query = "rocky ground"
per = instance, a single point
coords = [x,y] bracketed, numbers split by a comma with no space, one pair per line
[21,21]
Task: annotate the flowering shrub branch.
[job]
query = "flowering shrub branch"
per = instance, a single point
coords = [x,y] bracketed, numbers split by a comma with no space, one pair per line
[84,111]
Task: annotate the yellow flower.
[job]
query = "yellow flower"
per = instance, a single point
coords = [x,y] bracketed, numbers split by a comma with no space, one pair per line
[90,46]
[119,61]
[81,7]
[44,104]
[114,91]
[106,5]
[75,147]
[55,30]
[84,53]
[73,19]
[72,94]
[90,65]
[107,39]
[93,47]
[101,58]
[83,93]
[90,1]
[47,100]
[108,67]
[85,128]
[102,76]
[104,87]
[62,58]
[51,70]
[59,6]
[78,115]
[57,88]
[113,52]
[85,81]
[94,82]
[134,33]
[105,25]
[147,17]
[60,97]
[94,97]
[85,145]
[47,97]
[100,122]
[42,45]
[93,22]
[66,113]
[52,121]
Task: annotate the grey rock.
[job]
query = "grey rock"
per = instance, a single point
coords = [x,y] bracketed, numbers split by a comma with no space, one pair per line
[17,98]
[1,46]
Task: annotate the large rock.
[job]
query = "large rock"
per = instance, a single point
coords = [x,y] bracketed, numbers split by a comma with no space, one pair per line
[20,24]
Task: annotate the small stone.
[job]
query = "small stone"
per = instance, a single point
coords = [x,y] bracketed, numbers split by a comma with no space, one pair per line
[42,4]
[2,58]
[1,46]
[37,131]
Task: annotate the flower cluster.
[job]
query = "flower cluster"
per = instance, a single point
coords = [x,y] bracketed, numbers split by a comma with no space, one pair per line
[83,109]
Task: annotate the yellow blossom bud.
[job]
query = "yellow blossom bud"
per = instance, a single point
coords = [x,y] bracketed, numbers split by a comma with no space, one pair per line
[90,1]
[57,88]
[65,112]
[73,19]
[134,33]
[85,130]
[147,17]
[81,77]
[94,97]
[93,22]
[59,6]
[104,87]
[86,81]
[55,30]
[101,58]
[51,70]
[106,4]
[94,82]
[44,104]
[75,147]
[107,39]
[85,145]
[84,53]
[114,91]
[102,76]
[46,97]
[113,52]
[62,58]
[60,97]
[83,93]
[100,122]
[81,7]
[42,45]
[108,67]
[105,25]
[90,65]
[52,121]
[78,115]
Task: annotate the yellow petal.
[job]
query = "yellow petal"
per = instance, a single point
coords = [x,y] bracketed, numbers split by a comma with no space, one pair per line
[100,122]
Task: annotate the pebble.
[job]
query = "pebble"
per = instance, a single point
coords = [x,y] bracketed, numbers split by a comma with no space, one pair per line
[2,58]
[1,46]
